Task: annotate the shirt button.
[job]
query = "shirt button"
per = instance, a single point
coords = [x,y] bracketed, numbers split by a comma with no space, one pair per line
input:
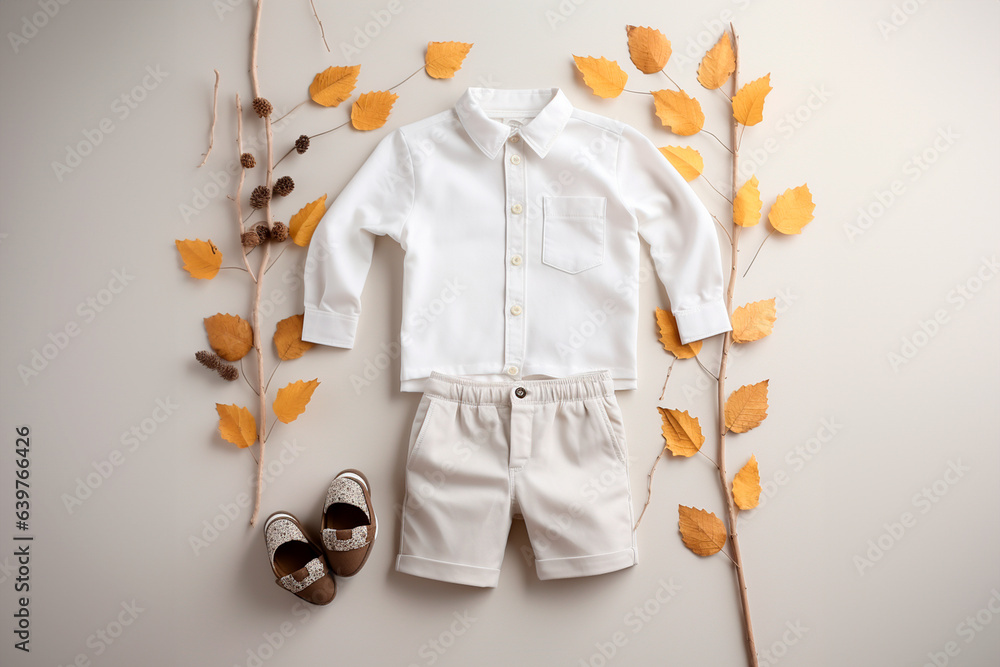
[520,392]
[512,370]
[514,138]
[516,260]
[515,159]
[515,309]
[516,208]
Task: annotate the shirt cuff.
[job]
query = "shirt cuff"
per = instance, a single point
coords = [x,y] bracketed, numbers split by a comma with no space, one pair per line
[700,323]
[328,328]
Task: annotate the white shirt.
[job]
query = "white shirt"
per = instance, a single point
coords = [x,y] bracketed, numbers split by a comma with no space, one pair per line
[520,218]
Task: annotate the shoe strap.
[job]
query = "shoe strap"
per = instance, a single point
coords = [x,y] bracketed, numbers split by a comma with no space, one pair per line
[346,539]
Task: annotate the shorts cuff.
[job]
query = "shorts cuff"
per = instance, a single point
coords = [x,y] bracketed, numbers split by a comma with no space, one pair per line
[585,566]
[454,573]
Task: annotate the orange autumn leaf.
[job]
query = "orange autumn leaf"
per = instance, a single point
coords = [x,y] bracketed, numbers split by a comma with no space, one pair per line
[334,85]
[753,321]
[746,206]
[671,338]
[746,485]
[303,224]
[288,338]
[648,48]
[201,258]
[792,210]
[603,76]
[236,425]
[718,64]
[443,59]
[686,160]
[746,407]
[702,532]
[229,335]
[748,103]
[292,399]
[678,111]
[371,110]
[681,431]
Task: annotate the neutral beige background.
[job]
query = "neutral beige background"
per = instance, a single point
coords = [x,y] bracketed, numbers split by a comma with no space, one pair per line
[868,102]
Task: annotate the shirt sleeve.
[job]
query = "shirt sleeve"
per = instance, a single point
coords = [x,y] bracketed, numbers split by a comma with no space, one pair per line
[681,236]
[375,202]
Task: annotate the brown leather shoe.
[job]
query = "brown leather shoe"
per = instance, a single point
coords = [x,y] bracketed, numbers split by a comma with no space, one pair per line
[297,561]
[349,523]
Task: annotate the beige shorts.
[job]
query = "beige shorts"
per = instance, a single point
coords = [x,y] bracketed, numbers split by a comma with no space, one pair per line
[550,451]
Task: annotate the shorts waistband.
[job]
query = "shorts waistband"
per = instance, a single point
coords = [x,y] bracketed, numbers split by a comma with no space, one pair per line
[467,389]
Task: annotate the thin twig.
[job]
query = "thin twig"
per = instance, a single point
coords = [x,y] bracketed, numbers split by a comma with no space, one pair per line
[408,78]
[717,189]
[239,185]
[278,120]
[244,376]
[636,92]
[332,129]
[215,113]
[255,459]
[723,227]
[649,488]
[717,139]
[257,328]
[671,80]
[280,253]
[268,384]
[321,31]
[710,460]
[238,268]
[698,359]
[670,369]
[270,429]
[723,93]
[758,252]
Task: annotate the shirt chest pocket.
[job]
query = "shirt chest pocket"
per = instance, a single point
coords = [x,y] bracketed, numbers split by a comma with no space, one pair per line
[573,232]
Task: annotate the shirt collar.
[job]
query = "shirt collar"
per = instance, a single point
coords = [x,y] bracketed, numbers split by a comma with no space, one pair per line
[551,108]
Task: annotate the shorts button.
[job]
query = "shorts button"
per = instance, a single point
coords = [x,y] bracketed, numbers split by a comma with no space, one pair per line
[520,392]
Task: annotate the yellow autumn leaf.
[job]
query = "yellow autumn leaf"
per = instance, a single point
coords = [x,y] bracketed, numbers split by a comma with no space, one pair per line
[288,338]
[746,206]
[229,335]
[443,59]
[648,48]
[746,485]
[671,338]
[686,160]
[292,399]
[236,425]
[748,103]
[201,258]
[681,431]
[371,110]
[702,532]
[303,224]
[678,111]
[718,64]
[792,210]
[753,321]
[603,76]
[334,85]
[746,407]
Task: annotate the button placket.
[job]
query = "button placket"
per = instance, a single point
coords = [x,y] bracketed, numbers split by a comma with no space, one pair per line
[514,331]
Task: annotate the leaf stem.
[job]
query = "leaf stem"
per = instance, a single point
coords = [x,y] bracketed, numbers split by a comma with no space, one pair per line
[758,251]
